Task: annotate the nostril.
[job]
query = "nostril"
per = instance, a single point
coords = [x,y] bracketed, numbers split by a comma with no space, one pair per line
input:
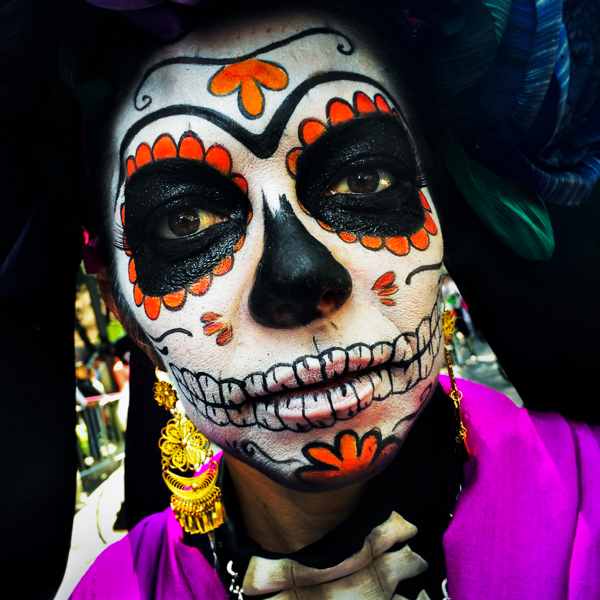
[329,302]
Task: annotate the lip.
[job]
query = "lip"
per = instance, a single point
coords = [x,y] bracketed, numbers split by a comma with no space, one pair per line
[316,391]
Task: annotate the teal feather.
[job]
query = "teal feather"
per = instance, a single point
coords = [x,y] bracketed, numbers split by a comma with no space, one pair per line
[510,209]
[499,9]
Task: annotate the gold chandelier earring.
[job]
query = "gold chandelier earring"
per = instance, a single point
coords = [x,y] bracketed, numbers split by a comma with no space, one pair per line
[196,499]
[455,393]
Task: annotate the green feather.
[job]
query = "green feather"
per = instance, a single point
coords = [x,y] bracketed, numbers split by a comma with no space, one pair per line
[510,209]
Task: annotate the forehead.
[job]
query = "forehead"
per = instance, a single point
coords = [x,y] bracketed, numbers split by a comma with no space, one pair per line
[247,79]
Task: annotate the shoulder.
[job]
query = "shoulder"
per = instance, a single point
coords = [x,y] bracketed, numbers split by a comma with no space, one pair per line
[151,562]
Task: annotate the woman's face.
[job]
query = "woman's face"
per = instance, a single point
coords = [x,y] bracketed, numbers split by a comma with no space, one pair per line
[275,242]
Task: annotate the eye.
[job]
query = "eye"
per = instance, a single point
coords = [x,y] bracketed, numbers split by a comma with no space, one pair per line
[362,181]
[185,222]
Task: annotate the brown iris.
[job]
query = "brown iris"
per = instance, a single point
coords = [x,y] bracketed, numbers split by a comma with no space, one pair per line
[365,181]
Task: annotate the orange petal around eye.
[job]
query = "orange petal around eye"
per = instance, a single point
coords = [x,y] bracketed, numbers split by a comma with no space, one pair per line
[224,266]
[304,209]
[347,237]
[212,328]
[130,166]
[240,243]
[152,307]
[310,130]
[384,280]
[138,295]
[164,147]
[240,182]
[174,300]
[325,226]
[397,245]
[339,111]
[132,273]
[219,158]
[201,286]
[209,317]
[430,224]
[424,201]
[363,103]
[143,155]
[388,301]
[399,119]
[123,214]
[370,242]
[382,104]
[224,336]
[420,240]
[249,216]
[292,159]
[126,247]
[191,147]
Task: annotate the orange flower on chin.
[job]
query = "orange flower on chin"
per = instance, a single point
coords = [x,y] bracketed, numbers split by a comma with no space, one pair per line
[347,459]
[339,111]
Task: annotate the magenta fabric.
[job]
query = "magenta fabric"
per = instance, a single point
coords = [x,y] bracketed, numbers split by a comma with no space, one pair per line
[526,525]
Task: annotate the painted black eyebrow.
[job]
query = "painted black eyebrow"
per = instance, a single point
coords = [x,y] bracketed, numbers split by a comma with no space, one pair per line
[199,60]
[262,145]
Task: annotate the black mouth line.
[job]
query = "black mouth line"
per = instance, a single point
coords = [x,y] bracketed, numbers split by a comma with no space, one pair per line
[390,368]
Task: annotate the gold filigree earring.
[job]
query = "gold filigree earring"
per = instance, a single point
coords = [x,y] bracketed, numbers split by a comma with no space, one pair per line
[455,393]
[196,500]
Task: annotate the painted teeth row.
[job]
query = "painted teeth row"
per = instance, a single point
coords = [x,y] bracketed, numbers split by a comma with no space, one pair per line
[410,360]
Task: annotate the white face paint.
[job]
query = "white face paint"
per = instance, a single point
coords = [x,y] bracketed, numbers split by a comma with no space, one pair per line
[278,248]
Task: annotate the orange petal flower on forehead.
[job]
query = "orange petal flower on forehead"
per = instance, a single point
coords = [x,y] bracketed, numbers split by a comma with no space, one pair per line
[249,76]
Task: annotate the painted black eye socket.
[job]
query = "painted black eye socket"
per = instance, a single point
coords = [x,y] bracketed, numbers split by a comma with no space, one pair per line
[182,218]
[362,177]
[185,222]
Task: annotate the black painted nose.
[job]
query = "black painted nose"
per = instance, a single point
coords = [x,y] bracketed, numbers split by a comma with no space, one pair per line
[297,279]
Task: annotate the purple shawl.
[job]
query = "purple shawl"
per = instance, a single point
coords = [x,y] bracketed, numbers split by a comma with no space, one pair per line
[526,525]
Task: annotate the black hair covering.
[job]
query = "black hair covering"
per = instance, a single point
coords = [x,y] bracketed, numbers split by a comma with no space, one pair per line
[534,314]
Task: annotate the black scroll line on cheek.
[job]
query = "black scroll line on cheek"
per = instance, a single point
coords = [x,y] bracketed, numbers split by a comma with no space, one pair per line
[165,350]
[249,448]
[199,60]
[262,145]
[421,269]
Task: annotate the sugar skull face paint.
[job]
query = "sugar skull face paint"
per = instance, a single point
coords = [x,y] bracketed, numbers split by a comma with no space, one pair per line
[274,240]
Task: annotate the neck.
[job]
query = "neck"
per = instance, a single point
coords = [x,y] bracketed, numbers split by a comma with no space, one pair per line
[283,520]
